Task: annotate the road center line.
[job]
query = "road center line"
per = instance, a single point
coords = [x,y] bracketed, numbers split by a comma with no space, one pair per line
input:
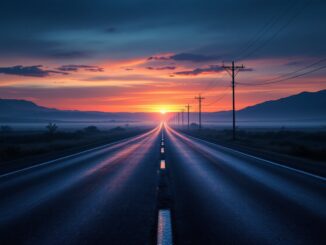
[162,164]
[164,228]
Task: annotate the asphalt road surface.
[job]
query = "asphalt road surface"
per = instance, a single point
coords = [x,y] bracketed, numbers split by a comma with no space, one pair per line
[223,196]
[109,195]
[102,196]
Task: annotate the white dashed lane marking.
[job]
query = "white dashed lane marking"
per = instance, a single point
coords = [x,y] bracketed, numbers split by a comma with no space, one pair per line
[162,164]
[164,229]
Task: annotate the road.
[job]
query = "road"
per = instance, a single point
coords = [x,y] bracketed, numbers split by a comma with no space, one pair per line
[102,196]
[109,195]
[223,196]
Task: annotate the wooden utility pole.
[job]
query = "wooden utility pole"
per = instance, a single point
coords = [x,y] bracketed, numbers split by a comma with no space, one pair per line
[182,121]
[178,118]
[233,71]
[188,114]
[175,119]
[199,98]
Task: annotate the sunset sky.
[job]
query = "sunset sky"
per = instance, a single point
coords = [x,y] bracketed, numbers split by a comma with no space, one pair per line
[128,55]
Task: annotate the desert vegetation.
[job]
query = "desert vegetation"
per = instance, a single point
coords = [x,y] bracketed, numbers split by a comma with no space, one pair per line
[299,143]
[16,145]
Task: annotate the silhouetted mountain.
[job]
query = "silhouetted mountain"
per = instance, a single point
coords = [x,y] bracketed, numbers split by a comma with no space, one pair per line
[12,110]
[303,106]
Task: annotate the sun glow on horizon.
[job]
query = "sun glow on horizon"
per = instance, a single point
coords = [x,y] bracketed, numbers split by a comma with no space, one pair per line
[163,111]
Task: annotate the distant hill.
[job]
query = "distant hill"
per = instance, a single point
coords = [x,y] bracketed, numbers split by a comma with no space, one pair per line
[303,106]
[12,110]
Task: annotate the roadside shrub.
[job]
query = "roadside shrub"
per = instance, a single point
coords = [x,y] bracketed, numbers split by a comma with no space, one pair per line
[194,125]
[91,129]
[52,128]
[117,129]
[5,129]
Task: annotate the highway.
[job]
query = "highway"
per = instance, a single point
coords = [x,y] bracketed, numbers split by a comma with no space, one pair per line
[109,195]
[102,196]
[226,197]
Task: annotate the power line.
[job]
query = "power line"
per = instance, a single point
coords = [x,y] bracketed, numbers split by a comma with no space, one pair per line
[284,79]
[222,96]
[270,24]
[274,35]
[209,87]
[298,70]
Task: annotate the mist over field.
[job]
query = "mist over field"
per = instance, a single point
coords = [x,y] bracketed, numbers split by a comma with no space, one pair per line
[303,110]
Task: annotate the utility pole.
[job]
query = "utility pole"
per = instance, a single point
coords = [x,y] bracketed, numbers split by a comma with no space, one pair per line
[182,111]
[199,98]
[188,109]
[233,71]
[178,119]
[175,119]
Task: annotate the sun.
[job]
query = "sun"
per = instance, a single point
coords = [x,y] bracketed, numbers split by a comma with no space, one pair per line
[162,111]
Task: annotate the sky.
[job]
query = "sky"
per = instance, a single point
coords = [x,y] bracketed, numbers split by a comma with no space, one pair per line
[141,55]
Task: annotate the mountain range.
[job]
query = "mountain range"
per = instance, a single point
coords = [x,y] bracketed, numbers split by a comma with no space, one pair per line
[12,110]
[302,106]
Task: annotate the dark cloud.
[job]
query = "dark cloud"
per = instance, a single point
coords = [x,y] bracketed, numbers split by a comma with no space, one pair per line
[159,58]
[210,69]
[161,68]
[197,71]
[79,67]
[193,57]
[186,57]
[29,71]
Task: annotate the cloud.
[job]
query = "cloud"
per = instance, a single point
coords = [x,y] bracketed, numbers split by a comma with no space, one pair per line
[159,58]
[193,57]
[197,71]
[186,57]
[210,69]
[29,71]
[161,68]
[79,67]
